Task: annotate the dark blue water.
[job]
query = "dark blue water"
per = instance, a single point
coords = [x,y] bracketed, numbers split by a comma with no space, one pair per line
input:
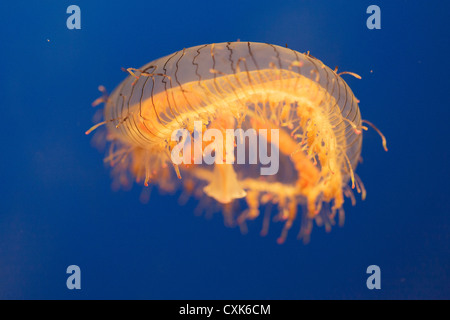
[57,207]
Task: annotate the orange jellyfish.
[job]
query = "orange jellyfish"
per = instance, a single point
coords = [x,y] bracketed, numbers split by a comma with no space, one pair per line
[303,111]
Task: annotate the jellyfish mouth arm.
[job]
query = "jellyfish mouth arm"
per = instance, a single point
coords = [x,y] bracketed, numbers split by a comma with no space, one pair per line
[224,186]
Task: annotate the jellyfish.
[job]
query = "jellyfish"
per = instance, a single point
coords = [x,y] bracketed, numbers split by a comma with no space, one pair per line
[297,107]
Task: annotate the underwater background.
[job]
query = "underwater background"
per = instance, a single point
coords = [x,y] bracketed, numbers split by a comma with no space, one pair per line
[57,207]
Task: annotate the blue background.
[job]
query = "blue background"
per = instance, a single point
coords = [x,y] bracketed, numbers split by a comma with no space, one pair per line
[56,203]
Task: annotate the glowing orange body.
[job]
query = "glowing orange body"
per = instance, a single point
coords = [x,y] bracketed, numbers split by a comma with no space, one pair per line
[241,85]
